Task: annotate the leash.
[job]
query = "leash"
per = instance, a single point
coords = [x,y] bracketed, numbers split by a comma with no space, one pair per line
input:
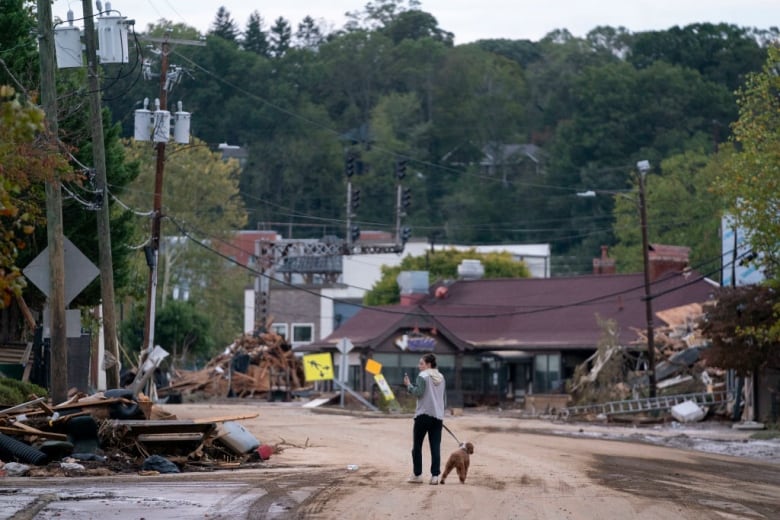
[450,432]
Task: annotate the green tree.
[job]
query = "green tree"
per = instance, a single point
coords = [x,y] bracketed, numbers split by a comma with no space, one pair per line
[743,328]
[309,36]
[681,210]
[255,38]
[280,35]
[751,178]
[182,329]
[27,158]
[442,265]
[224,26]
[202,208]
[18,48]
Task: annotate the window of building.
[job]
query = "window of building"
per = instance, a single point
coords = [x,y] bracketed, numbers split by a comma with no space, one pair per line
[279,329]
[547,373]
[302,333]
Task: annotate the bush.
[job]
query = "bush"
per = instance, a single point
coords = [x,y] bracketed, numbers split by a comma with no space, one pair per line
[14,391]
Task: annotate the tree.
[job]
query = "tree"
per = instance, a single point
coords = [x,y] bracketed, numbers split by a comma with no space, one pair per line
[202,206]
[224,26]
[28,157]
[681,210]
[751,178]
[309,35]
[180,328]
[19,64]
[743,327]
[442,265]
[255,38]
[281,37]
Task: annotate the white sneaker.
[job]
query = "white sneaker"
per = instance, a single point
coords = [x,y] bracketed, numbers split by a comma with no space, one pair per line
[434,480]
[415,479]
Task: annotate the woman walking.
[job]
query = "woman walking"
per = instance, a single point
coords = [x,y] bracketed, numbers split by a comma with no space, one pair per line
[429,388]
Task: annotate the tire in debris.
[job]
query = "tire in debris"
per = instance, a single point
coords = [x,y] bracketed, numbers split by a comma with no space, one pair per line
[11,449]
[123,410]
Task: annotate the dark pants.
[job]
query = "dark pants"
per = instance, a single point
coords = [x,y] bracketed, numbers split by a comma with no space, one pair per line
[425,424]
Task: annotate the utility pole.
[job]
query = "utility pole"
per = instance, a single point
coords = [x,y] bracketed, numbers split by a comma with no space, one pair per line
[160,133]
[103,227]
[644,167]
[152,251]
[54,228]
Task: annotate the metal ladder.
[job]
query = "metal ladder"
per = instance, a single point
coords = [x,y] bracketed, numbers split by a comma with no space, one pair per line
[647,404]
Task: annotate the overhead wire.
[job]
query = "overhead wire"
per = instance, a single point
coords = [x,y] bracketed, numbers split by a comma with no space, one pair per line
[514,312]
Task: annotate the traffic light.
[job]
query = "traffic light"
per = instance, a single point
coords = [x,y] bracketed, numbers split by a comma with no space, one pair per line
[354,233]
[400,169]
[349,165]
[406,198]
[406,234]
[354,199]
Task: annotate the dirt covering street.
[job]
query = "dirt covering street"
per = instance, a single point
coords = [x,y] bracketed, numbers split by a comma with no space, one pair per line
[337,464]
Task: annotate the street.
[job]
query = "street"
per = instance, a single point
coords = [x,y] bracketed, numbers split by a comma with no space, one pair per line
[521,468]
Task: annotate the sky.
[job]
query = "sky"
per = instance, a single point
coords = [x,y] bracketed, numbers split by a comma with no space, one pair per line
[468,20]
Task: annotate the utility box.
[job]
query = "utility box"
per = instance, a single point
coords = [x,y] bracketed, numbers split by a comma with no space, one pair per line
[67,46]
[112,39]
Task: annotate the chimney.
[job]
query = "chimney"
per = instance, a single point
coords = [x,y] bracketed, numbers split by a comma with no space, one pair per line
[413,285]
[665,259]
[604,265]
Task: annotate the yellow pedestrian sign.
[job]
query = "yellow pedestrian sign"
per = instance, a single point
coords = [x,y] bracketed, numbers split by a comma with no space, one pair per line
[318,367]
[381,382]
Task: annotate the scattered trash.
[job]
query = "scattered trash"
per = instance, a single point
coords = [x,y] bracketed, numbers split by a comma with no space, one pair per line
[352,467]
[159,464]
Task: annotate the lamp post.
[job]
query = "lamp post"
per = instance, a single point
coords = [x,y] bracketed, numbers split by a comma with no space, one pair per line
[643,167]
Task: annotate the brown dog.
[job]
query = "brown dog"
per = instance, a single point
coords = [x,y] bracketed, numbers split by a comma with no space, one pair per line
[459,461]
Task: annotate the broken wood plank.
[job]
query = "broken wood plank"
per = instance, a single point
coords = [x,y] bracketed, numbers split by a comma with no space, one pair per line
[19,428]
[225,418]
[14,409]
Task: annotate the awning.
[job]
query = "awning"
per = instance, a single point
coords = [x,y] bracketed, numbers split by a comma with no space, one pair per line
[510,355]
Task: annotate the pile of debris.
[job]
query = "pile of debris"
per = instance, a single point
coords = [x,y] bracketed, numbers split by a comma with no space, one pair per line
[615,381]
[115,431]
[253,366]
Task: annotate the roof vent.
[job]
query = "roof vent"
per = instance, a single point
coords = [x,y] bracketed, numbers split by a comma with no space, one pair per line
[471,270]
[413,282]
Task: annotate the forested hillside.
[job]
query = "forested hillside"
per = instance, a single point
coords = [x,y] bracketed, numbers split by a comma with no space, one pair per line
[499,136]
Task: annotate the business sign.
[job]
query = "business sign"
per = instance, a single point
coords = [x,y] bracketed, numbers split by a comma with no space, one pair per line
[416,343]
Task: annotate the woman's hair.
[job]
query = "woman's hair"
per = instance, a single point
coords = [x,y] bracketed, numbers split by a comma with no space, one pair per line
[430,359]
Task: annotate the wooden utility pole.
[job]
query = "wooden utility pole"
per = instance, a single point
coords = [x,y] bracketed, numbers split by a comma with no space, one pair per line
[103,227]
[54,230]
[644,167]
[152,252]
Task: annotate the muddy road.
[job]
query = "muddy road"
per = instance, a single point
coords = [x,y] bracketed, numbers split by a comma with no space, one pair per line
[521,468]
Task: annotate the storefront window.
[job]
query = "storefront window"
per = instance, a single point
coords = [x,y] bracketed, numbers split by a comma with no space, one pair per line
[547,373]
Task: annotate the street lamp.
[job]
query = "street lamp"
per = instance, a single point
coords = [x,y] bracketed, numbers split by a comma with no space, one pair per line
[643,167]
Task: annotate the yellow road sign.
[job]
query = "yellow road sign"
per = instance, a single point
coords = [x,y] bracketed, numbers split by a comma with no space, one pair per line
[318,367]
[373,367]
[381,382]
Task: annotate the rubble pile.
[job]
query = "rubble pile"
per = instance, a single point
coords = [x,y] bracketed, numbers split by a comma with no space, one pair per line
[115,431]
[253,366]
[619,373]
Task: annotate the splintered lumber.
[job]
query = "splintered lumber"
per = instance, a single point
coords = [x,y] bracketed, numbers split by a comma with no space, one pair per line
[224,418]
[251,365]
[19,428]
